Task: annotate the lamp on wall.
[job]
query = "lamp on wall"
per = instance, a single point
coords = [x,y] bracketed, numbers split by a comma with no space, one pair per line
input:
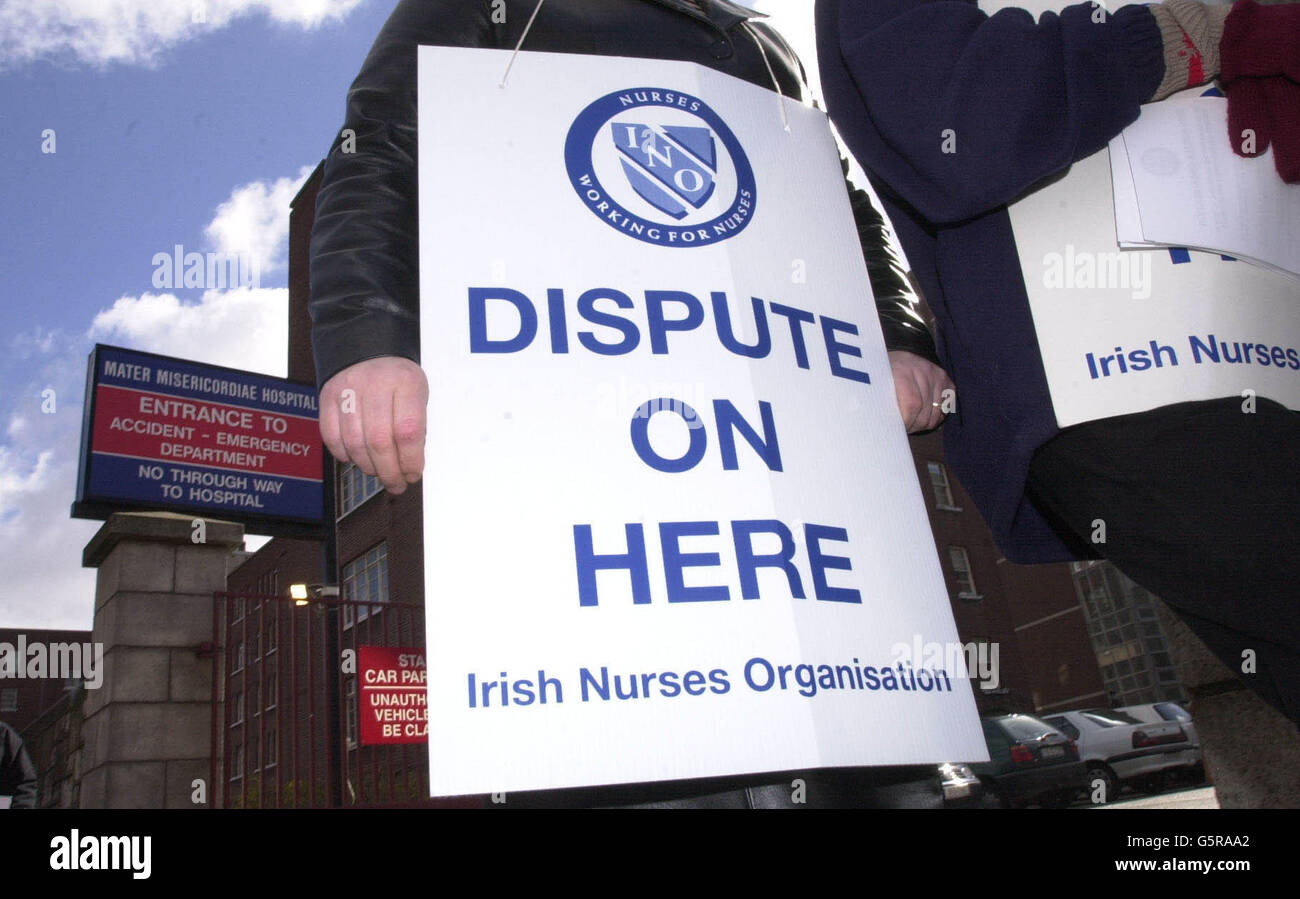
[302,594]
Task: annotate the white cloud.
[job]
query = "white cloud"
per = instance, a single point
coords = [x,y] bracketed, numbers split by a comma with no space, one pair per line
[40,546]
[17,480]
[242,328]
[254,222]
[39,340]
[246,327]
[95,32]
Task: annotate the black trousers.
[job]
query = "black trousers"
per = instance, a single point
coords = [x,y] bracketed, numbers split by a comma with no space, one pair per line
[1201,506]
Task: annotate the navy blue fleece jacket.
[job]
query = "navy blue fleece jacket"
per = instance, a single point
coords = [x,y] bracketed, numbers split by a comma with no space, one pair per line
[1022,99]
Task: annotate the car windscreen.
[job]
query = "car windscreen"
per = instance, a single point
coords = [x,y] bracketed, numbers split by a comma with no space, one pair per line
[1110,717]
[1172,712]
[1064,726]
[1025,727]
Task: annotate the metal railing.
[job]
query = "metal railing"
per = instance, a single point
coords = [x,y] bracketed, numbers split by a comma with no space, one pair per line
[286,704]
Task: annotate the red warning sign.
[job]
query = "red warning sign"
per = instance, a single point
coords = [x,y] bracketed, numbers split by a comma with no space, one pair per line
[394,704]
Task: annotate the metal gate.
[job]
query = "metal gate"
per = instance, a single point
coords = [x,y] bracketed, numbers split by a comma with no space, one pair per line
[285,705]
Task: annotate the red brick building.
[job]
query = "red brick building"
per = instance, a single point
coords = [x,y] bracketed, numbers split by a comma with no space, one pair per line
[24,699]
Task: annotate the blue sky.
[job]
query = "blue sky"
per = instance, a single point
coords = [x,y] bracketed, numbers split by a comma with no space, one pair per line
[166,130]
[146,151]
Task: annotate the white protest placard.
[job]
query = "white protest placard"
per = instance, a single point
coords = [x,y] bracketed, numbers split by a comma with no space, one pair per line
[672,525]
[1128,330]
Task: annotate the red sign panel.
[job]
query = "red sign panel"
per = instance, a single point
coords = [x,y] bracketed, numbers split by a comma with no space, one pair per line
[158,427]
[165,433]
[394,704]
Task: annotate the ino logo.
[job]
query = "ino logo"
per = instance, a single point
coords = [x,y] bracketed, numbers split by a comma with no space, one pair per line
[660,166]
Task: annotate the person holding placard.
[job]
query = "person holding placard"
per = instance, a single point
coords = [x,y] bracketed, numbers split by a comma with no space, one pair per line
[364,277]
[981,127]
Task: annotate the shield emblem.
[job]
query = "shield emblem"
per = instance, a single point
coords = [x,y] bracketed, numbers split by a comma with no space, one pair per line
[672,167]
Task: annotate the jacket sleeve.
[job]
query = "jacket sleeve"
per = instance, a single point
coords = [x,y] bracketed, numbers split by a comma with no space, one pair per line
[897,305]
[364,242]
[960,112]
[17,774]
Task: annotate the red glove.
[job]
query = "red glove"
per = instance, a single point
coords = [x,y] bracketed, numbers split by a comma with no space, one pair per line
[1260,72]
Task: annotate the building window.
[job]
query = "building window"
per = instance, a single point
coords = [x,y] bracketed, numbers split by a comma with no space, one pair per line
[271,630]
[961,572]
[1132,657]
[9,699]
[237,762]
[272,747]
[238,663]
[237,708]
[941,487]
[365,580]
[272,689]
[355,487]
[268,583]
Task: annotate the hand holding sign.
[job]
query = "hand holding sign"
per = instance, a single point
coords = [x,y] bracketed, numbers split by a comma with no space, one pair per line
[373,413]
[380,425]
[919,386]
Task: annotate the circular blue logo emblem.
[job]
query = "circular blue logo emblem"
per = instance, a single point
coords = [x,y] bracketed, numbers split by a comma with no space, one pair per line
[661,166]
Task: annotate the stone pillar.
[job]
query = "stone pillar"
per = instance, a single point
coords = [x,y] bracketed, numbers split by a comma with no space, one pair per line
[1251,751]
[147,730]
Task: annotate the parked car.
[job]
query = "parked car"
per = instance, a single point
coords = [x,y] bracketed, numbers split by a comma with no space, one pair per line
[1030,762]
[1120,749]
[1155,712]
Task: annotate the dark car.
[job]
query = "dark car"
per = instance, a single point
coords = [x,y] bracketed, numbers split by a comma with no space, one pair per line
[1030,763]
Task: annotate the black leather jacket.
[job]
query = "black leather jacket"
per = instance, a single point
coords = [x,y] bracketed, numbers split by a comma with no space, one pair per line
[364,246]
[17,775]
